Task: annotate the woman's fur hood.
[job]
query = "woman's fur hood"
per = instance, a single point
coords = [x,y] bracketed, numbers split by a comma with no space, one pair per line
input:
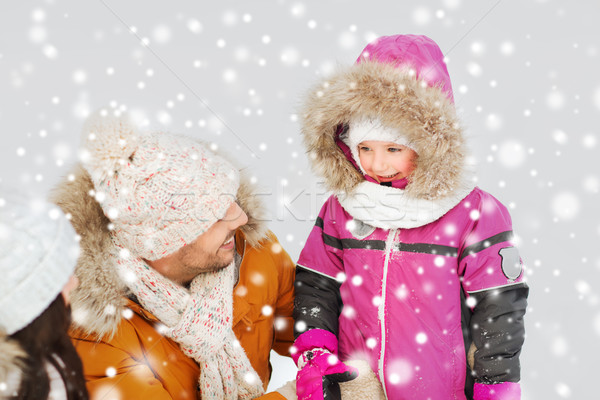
[372,89]
[12,364]
[99,300]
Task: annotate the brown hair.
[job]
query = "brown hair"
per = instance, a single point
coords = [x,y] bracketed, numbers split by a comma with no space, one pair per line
[44,340]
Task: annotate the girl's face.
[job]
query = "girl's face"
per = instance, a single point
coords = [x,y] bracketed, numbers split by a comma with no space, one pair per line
[386,161]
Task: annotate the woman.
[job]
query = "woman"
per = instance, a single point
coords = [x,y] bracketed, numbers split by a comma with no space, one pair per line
[38,250]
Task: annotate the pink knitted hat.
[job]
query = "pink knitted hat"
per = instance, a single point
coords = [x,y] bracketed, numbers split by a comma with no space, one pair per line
[160,191]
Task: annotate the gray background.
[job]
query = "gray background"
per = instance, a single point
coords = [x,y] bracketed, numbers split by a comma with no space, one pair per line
[525,75]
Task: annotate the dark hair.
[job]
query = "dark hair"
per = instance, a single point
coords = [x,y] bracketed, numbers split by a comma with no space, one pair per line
[45,340]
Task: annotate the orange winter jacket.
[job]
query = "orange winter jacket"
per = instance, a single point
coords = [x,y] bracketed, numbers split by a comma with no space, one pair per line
[139,363]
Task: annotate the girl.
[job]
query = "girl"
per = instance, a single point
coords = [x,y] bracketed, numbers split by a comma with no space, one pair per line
[409,266]
[37,257]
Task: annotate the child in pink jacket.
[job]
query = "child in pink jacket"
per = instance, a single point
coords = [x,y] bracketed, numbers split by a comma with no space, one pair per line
[409,265]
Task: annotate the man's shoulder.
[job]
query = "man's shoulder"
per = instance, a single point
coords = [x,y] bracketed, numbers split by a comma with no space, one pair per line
[136,323]
[268,255]
[269,246]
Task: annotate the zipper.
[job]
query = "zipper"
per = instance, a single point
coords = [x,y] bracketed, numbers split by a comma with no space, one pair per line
[237,259]
[389,246]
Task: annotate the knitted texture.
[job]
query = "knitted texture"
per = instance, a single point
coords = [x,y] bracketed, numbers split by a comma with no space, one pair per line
[38,252]
[200,321]
[160,191]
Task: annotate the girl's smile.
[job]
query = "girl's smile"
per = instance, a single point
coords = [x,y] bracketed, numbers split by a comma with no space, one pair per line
[386,161]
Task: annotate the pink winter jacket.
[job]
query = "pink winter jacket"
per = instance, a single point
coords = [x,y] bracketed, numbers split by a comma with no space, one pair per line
[421,279]
[402,290]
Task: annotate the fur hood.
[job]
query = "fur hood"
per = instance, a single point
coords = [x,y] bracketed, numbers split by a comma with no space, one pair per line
[97,303]
[11,364]
[372,89]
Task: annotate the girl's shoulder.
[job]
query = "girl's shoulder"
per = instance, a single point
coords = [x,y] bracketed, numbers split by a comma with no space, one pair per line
[477,208]
[333,208]
[482,199]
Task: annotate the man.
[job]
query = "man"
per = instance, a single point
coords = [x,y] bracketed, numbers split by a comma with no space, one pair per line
[169,236]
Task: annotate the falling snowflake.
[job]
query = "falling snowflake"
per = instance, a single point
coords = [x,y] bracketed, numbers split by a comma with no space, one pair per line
[512,154]
[565,205]
[421,16]
[266,310]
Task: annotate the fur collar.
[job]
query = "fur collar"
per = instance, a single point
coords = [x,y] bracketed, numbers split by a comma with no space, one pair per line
[99,300]
[375,90]
[11,363]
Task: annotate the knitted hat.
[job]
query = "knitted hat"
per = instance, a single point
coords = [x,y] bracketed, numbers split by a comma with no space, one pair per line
[38,252]
[363,129]
[160,191]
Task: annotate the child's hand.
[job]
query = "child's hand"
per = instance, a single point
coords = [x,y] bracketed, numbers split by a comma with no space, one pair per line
[319,369]
[319,375]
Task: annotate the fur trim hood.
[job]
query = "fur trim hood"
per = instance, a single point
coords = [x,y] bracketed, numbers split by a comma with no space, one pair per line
[388,89]
[97,303]
[12,358]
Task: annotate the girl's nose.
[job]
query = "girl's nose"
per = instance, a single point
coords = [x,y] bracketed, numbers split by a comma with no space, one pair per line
[379,163]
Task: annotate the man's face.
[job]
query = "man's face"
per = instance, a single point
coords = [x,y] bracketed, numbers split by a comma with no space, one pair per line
[210,251]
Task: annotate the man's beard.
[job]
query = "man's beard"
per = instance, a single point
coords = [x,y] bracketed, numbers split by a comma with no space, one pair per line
[218,265]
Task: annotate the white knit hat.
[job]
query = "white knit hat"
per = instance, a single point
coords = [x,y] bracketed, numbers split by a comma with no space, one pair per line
[363,129]
[160,191]
[38,252]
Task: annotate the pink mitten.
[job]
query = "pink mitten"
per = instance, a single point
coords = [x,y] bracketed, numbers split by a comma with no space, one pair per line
[319,369]
[498,391]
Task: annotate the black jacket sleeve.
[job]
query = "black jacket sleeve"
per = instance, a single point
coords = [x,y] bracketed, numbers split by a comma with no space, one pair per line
[498,332]
[318,302]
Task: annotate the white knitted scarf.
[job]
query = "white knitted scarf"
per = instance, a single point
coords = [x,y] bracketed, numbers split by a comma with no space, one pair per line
[200,321]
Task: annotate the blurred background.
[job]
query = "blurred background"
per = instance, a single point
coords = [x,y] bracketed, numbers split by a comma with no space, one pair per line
[525,76]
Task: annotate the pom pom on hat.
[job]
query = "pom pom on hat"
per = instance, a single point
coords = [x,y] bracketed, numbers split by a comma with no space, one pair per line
[38,252]
[108,140]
